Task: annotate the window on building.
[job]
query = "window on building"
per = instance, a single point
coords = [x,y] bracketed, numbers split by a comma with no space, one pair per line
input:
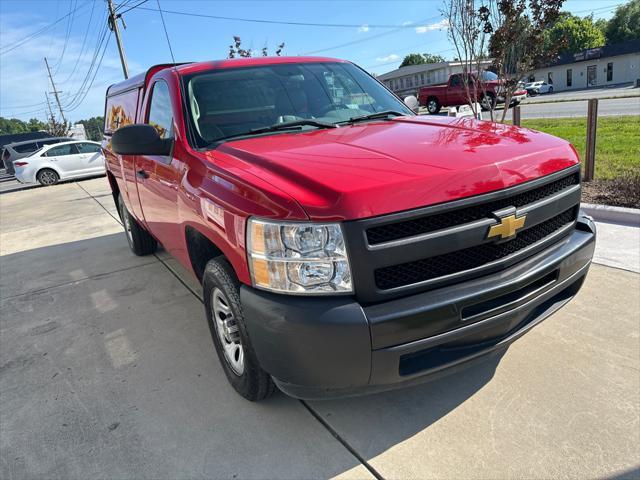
[532,78]
[609,71]
[422,79]
[415,79]
[569,77]
[550,78]
[402,83]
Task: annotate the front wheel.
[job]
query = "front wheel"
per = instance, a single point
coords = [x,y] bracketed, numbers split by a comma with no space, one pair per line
[47,177]
[433,106]
[140,241]
[221,291]
[550,89]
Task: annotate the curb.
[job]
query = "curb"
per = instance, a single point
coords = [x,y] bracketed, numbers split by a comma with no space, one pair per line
[611,214]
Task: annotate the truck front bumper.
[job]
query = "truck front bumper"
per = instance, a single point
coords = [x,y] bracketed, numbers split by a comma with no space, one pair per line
[324,347]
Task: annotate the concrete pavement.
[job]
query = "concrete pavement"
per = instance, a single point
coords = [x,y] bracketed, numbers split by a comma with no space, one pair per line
[107,370]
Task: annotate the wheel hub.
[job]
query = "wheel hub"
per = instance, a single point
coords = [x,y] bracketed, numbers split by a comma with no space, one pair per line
[227,329]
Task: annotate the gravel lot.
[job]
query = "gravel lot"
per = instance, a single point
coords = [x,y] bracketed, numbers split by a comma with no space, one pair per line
[107,371]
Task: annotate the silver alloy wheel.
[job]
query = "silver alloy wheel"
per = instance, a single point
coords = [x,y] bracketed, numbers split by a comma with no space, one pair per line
[48,177]
[432,106]
[227,330]
[487,102]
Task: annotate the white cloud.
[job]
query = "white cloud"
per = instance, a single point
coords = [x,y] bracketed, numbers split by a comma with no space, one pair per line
[389,58]
[433,26]
[23,73]
[363,29]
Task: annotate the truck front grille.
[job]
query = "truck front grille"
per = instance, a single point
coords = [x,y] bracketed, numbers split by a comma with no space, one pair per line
[461,260]
[431,247]
[431,223]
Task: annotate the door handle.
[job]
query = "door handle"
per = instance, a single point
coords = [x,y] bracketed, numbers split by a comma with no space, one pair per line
[142,174]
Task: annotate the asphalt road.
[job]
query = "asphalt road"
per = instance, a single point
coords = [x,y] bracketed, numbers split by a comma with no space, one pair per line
[107,371]
[606,107]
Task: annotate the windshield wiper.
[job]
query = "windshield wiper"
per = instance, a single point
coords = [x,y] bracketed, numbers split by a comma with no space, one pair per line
[277,127]
[295,124]
[374,116]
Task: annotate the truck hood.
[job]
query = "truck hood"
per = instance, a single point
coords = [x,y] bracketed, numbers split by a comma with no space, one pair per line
[381,167]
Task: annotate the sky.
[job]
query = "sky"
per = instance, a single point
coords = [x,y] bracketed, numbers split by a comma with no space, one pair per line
[374,34]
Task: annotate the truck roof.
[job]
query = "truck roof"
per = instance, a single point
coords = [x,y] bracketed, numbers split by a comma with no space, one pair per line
[142,79]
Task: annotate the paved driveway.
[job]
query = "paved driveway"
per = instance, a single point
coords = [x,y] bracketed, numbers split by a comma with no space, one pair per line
[107,371]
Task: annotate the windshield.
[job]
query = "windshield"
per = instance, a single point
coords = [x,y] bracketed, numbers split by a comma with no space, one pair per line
[488,76]
[231,102]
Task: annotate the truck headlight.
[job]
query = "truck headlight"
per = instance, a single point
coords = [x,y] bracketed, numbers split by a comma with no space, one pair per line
[298,258]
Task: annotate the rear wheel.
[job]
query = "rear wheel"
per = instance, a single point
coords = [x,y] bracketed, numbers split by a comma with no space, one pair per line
[550,89]
[47,177]
[433,105]
[221,290]
[140,241]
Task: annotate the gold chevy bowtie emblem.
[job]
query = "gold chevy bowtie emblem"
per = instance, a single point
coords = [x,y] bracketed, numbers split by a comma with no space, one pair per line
[507,227]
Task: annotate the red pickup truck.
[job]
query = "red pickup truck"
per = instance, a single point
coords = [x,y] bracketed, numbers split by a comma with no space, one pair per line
[454,93]
[344,244]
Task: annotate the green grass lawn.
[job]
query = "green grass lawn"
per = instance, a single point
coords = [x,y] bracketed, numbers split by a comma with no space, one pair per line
[617,141]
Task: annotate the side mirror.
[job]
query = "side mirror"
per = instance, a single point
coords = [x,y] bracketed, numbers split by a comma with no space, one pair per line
[412,102]
[140,139]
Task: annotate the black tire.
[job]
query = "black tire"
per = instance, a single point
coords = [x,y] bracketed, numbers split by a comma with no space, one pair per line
[253,383]
[140,241]
[488,102]
[433,105]
[47,177]
[550,90]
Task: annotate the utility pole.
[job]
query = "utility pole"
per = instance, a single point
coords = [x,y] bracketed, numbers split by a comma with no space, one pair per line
[46,95]
[55,92]
[113,25]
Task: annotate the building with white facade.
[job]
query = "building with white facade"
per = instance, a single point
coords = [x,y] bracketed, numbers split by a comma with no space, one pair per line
[597,67]
[406,80]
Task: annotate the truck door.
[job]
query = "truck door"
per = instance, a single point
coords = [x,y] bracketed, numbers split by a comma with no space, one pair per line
[158,177]
[456,94]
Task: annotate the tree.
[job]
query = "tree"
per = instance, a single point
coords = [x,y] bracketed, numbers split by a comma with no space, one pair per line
[517,44]
[236,50]
[57,128]
[94,128]
[420,59]
[575,34]
[469,30]
[413,59]
[625,23]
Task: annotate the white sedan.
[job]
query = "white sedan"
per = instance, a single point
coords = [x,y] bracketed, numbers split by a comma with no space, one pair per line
[535,88]
[61,161]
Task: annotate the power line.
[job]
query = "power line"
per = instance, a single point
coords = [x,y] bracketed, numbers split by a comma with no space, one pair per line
[366,39]
[84,41]
[166,34]
[38,32]
[131,8]
[279,22]
[68,33]
[86,92]
[90,71]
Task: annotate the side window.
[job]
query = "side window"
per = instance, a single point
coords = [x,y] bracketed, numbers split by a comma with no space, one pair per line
[455,81]
[59,151]
[88,148]
[160,113]
[27,147]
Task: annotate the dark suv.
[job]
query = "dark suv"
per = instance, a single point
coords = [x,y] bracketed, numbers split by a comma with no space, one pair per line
[17,150]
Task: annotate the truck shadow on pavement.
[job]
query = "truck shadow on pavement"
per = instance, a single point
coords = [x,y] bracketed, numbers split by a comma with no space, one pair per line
[107,369]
